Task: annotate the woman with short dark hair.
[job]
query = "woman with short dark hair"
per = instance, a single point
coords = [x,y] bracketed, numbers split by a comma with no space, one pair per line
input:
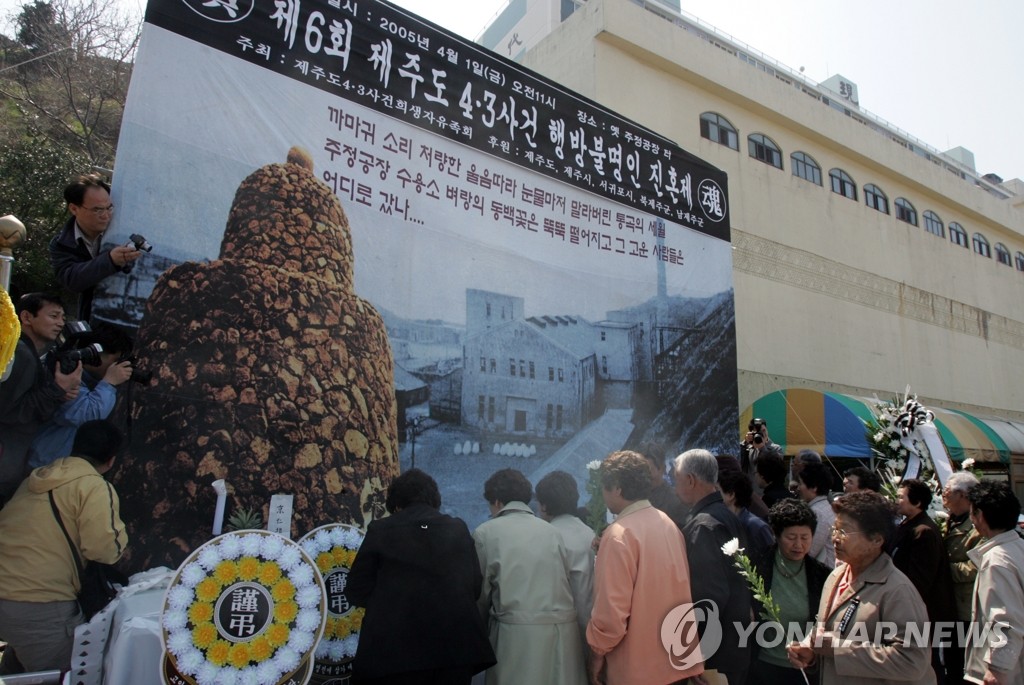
[418,576]
[862,636]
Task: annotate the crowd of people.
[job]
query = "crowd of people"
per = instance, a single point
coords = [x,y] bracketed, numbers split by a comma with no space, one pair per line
[867,590]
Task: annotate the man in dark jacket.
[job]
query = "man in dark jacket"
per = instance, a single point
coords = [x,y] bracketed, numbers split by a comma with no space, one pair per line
[75,252]
[708,526]
[31,395]
[418,576]
[919,552]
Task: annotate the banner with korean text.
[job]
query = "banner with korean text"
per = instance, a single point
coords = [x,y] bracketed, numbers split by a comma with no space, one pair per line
[378,246]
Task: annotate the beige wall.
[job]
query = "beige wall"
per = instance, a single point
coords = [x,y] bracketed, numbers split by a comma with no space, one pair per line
[829,292]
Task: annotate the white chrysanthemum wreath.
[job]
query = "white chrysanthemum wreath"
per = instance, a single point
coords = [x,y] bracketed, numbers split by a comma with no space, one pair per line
[333,547]
[254,571]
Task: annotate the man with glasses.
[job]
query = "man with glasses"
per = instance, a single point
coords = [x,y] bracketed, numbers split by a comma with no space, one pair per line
[75,252]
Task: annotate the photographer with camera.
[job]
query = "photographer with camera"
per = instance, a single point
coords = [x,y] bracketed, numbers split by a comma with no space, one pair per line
[103,371]
[756,444]
[33,393]
[75,252]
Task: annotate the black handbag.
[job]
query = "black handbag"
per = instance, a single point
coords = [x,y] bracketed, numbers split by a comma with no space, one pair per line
[96,580]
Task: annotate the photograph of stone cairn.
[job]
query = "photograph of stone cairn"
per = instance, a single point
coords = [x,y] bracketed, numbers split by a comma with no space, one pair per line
[268,372]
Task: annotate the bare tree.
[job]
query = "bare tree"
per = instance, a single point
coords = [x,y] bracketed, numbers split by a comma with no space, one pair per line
[68,73]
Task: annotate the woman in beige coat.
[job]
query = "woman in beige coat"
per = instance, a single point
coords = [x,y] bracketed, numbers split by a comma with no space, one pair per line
[872,623]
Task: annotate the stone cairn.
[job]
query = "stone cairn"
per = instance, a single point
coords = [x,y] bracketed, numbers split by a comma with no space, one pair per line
[268,371]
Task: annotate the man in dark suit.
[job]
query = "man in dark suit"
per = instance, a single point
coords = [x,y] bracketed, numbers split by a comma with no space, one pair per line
[708,526]
[919,552]
[418,576]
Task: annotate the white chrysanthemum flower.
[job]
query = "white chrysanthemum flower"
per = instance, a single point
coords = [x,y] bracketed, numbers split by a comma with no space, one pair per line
[179,642]
[336,650]
[301,641]
[192,574]
[228,676]
[191,661]
[301,575]
[338,536]
[179,597]
[175,619]
[209,557]
[594,465]
[323,650]
[286,659]
[251,544]
[353,538]
[268,672]
[351,642]
[231,546]
[290,556]
[249,676]
[967,464]
[308,620]
[939,514]
[894,444]
[879,436]
[271,547]
[308,597]
[208,674]
[323,539]
[731,548]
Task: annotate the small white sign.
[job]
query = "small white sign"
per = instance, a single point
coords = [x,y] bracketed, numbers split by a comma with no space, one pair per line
[280,519]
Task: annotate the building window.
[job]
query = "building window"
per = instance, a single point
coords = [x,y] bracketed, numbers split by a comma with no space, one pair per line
[494,366]
[717,128]
[933,224]
[603,336]
[561,375]
[532,371]
[1003,255]
[875,198]
[843,184]
[480,408]
[488,310]
[551,415]
[604,364]
[551,374]
[1020,261]
[957,234]
[483,364]
[805,167]
[512,367]
[905,211]
[558,418]
[764,149]
[490,409]
[981,246]
[522,368]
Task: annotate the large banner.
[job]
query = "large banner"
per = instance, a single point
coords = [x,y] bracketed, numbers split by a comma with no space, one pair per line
[379,245]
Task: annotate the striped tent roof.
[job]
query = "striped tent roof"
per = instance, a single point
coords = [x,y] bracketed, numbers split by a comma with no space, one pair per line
[833,424]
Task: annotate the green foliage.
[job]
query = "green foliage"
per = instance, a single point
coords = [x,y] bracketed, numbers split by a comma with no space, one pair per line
[33,172]
[245,519]
[596,511]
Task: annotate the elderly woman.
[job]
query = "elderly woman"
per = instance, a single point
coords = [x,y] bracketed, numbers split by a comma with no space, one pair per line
[795,580]
[867,604]
[418,576]
[527,595]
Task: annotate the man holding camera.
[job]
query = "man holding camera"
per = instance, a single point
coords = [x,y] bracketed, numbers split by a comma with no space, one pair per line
[32,394]
[75,252]
[756,444]
[102,373]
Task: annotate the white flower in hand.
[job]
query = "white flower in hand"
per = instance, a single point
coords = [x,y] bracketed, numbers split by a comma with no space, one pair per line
[731,548]
[967,464]
[594,465]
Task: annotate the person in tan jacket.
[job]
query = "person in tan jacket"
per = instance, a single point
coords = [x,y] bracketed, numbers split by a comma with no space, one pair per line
[39,580]
[960,538]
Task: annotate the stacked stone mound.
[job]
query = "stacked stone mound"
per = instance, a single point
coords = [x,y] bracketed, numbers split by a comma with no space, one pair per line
[268,371]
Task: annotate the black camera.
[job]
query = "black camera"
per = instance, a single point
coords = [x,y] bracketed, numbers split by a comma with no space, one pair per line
[139,243]
[138,375]
[755,427]
[71,347]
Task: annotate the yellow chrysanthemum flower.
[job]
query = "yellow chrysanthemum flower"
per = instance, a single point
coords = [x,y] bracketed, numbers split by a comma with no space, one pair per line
[200,612]
[203,635]
[340,555]
[208,590]
[324,562]
[269,573]
[277,634]
[283,590]
[239,655]
[226,572]
[260,649]
[217,654]
[285,612]
[248,568]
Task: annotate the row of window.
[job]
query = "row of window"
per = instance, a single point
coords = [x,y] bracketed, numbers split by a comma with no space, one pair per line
[485,407]
[523,366]
[717,128]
